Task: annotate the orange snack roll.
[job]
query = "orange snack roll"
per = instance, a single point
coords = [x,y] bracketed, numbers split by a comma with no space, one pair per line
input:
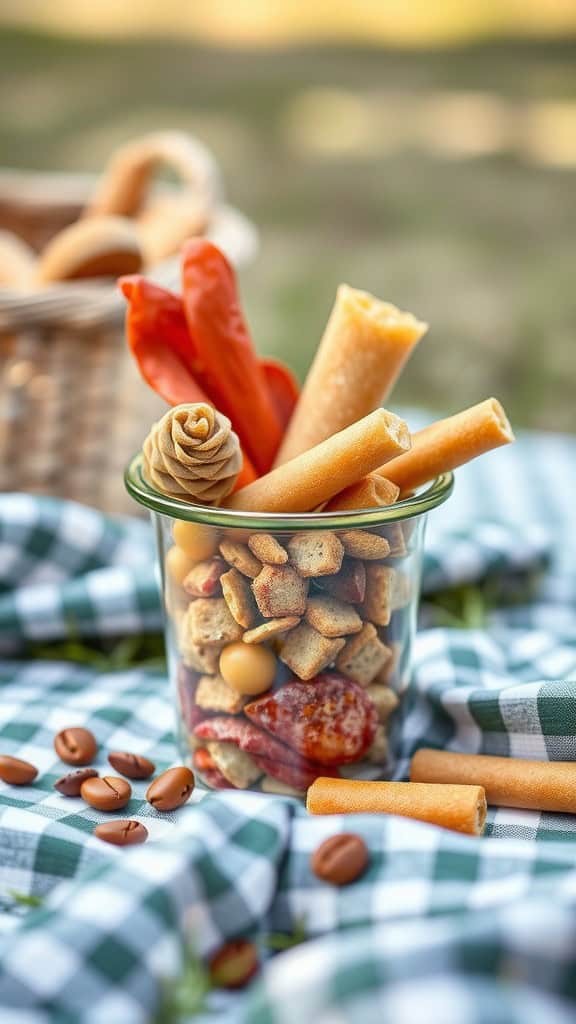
[459,808]
[373,491]
[508,781]
[315,476]
[449,443]
[364,347]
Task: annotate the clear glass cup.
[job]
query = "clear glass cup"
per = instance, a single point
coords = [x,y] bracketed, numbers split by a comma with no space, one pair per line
[289,637]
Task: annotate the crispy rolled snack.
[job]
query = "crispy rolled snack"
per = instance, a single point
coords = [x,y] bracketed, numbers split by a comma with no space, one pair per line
[508,781]
[364,347]
[449,443]
[317,475]
[373,491]
[459,808]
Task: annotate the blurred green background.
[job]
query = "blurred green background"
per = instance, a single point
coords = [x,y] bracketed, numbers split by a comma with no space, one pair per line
[441,180]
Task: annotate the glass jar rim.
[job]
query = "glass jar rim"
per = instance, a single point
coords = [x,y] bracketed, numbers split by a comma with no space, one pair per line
[431,497]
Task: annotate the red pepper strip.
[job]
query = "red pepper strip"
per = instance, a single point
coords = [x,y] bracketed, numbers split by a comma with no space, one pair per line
[158,338]
[283,388]
[231,372]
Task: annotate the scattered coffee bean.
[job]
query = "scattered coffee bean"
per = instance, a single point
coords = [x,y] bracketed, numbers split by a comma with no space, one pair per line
[16,772]
[134,766]
[75,746]
[340,859]
[171,789]
[106,794]
[69,785]
[123,832]
[234,965]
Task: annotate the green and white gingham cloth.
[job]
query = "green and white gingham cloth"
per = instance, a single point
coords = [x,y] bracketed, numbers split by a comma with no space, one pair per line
[446,928]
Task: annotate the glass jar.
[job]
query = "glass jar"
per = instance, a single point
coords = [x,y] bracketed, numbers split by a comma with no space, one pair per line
[289,637]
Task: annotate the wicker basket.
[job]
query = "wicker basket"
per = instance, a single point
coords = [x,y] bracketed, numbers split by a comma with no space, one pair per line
[72,406]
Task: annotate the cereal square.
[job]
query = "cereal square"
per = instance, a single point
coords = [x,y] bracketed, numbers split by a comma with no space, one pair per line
[236,766]
[211,622]
[214,694]
[383,698]
[363,656]
[280,591]
[267,549]
[378,751]
[316,554]
[332,617]
[239,597]
[240,557]
[360,544]
[307,652]
[379,590]
[269,629]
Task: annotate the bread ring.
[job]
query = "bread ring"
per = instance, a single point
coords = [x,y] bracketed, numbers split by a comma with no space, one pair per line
[99,247]
[167,222]
[17,260]
[123,186]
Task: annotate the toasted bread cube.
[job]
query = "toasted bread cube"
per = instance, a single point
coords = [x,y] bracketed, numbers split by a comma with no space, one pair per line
[396,540]
[239,598]
[384,700]
[270,629]
[332,617]
[211,623]
[360,544]
[378,751]
[267,549]
[280,591]
[236,766]
[240,557]
[194,656]
[214,694]
[401,591]
[347,585]
[307,652]
[317,553]
[377,605]
[204,579]
[390,667]
[363,656]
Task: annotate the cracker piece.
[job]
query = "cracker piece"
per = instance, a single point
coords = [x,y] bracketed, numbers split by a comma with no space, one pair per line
[239,597]
[317,553]
[267,549]
[390,667]
[307,652]
[214,694]
[236,766]
[378,751]
[363,656]
[369,546]
[332,617]
[211,623]
[280,592]
[384,699]
[270,629]
[396,540]
[377,605]
[240,557]
[204,579]
[401,591]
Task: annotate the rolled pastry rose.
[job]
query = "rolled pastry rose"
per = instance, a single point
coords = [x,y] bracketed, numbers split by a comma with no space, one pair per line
[193,454]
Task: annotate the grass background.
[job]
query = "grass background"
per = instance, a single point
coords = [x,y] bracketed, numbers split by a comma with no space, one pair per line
[481,247]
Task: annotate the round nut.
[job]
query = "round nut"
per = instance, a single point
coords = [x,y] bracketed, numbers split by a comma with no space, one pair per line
[133,766]
[107,794]
[70,784]
[16,772]
[248,669]
[171,789]
[234,965]
[340,859]
[198,541]
[123,832]
[75,746]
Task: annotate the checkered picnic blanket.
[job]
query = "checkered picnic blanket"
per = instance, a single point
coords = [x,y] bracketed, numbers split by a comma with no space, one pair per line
[451,928]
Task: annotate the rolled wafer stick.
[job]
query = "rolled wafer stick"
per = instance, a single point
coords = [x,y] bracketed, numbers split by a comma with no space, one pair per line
[364,347]
[508,781]
[317,475]
[449,443]
[460,808]
[373,491]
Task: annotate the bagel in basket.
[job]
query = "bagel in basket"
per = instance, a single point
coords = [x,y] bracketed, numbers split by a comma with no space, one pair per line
[96,247]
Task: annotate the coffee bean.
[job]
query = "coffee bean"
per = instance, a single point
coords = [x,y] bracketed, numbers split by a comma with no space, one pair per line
[16,772]
[75,746]
[234,964]
[106,794]
[69,785]
[134,766]
[340,859]
[171,789]
[123,832]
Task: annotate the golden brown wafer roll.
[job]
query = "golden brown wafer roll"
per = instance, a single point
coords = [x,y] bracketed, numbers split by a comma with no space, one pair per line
[460,808]
[373,491]
[449,443]
[364,347]
[508,781]
[317,475]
